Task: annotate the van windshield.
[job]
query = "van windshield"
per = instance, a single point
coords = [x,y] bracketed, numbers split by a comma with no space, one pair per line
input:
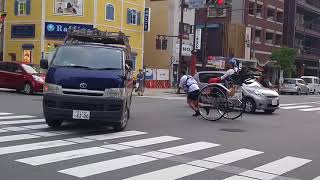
[307,80]
[88,57]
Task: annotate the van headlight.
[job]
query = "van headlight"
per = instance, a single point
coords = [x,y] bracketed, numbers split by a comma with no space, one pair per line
[51,88]
[115,92]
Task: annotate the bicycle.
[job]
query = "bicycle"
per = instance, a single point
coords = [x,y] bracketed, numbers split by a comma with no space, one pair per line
[226,100]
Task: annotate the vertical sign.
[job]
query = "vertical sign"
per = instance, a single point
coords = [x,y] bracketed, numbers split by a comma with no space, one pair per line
[247,49]
[198,39]
[147,15]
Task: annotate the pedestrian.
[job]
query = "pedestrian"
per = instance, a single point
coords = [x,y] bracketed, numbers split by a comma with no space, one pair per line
[140,80]
[265,82]
[190,86]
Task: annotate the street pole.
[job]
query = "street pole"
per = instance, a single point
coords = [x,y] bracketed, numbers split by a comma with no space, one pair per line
[204,48]
[182,6]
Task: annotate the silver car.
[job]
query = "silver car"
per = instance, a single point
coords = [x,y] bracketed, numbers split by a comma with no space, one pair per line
[257,97]
[294,86]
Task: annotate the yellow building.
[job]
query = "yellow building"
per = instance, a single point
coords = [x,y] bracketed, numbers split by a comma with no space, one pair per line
[33,28]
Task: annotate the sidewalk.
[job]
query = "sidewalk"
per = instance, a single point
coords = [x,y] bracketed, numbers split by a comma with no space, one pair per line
[160,92]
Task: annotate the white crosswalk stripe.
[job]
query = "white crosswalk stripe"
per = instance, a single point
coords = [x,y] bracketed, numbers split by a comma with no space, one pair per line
[198,166]
[57,143]
[62,156]
[310,109]
[5,114]
[21,121]
[272,170]
[16,117]
[296,107]
[317,178]
[129,161]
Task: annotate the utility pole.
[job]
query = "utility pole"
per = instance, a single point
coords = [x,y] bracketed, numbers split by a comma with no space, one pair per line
[205,38]
[182,7]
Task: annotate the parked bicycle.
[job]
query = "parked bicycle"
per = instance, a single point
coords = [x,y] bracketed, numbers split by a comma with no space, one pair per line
[225,100]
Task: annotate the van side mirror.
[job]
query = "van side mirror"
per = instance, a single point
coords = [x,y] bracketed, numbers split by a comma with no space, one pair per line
[44,64]
[129,65]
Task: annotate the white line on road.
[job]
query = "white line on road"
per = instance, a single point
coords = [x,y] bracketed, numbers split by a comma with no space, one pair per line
[129,161]
[310,109]
[62,156]
[317,178]
[21,121]
[18,137]
[296,107]
[2,131]
[37,126]
[194,167]
[295,104]
[115,135]
[5,114]
[272,170]
[49,144]
[16,117]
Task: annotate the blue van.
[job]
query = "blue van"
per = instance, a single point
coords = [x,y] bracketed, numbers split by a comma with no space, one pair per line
[89,78]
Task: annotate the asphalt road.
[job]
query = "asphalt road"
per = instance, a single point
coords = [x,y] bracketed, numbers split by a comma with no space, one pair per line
[162,141]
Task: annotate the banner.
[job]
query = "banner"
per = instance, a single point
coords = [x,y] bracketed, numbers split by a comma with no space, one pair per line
[68,7]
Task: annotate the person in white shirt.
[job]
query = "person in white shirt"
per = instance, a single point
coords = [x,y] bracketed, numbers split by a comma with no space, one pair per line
[190,86]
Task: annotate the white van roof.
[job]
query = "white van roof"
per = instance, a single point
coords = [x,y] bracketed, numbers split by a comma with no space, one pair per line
[309,77]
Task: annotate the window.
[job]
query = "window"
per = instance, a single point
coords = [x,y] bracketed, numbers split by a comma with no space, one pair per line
[278,39]
[257,36]
[280,17]
[259,10]
[251,8]
[22,7]
[27,56]
[68,7]
[270,14]
[134,17]
[109,12]
[269,38]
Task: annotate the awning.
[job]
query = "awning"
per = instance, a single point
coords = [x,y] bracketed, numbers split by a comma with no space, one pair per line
[27,46]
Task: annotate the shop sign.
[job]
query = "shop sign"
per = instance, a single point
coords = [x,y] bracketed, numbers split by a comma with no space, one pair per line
[23,31]
[186,49]
[147,16]
[59,30]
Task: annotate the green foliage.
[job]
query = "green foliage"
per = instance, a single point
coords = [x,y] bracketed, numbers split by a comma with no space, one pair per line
[285,58]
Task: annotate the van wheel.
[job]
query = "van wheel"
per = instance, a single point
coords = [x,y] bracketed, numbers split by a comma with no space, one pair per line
[27,88]
[120,126]
[54,123]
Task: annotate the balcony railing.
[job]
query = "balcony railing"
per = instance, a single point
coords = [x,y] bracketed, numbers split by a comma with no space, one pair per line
[312,29]
[313,5]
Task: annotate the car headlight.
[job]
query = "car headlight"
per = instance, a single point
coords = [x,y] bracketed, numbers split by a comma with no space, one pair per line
[115,92]
[259,93]
[51,88]
[38,79]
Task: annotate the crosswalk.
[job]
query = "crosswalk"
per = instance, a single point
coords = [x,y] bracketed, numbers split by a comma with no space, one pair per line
[302,107]
[72,151]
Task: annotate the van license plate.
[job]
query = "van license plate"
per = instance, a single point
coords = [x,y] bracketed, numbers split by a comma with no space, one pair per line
[274,102]
[81,114]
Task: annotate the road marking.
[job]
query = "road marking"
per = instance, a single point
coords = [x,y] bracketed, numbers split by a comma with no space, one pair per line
[295,104]
[18,137]
[33,146]
[194,167]
[128,161]
[62,156]
[49,144]
[273,169]
[2,131]
[37,126]
[115,135]
[21,121]
[310,109]
[5,114]
[15,128]
[296,107]
[16,117]
[317,178]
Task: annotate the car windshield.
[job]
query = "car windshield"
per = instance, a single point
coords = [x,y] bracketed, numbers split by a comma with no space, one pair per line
[31,68]
[307,80]
[88,57]
[289,81]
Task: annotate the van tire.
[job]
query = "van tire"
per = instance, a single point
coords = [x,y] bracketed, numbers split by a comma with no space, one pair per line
[53,123]
[120,126]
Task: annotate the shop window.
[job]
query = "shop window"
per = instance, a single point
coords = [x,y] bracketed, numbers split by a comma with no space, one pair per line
[251,8]
[22,7]
[259,10]
[134,17]
[269,38]
[258,34]
[27,56]
[109,12]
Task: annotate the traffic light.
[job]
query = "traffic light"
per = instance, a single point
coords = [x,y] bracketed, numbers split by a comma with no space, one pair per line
[164,44]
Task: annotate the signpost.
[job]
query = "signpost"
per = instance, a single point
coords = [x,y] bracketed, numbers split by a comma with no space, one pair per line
[198,39]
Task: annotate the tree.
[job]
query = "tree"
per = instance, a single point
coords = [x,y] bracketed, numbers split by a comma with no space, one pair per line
[285,58]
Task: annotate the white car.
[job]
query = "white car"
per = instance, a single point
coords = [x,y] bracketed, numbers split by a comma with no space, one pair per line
[312,83]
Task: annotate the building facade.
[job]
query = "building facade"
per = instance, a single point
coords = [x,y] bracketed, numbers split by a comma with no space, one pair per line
[302,31]
[33,28]
[165,20]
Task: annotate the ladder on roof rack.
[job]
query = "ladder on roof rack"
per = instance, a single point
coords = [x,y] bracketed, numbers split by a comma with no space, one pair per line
[96,36]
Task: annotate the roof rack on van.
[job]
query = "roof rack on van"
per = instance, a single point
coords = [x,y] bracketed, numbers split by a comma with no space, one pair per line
[96,36]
